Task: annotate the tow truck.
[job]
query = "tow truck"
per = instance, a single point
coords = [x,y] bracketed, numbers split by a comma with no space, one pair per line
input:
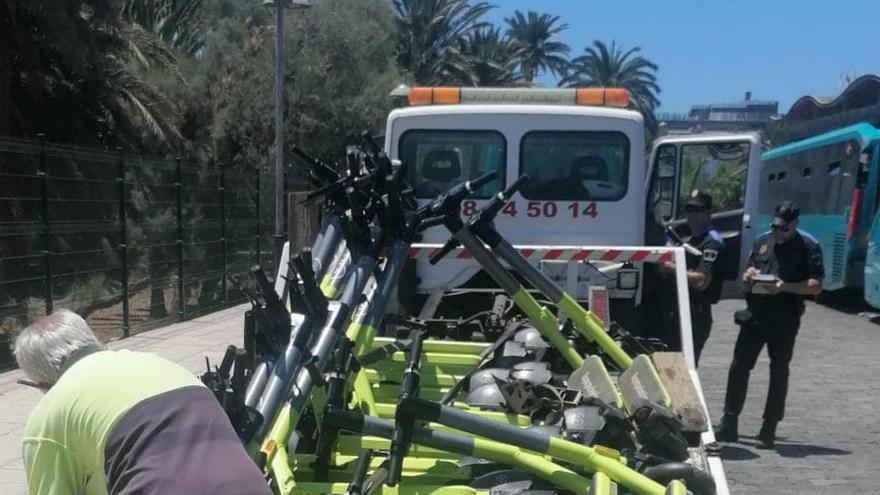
[582,218]
[543,389]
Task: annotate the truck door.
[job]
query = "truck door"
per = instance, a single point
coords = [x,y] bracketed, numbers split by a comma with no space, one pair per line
[720,168]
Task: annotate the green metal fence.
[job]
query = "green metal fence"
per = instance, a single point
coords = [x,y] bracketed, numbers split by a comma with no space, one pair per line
[129,242]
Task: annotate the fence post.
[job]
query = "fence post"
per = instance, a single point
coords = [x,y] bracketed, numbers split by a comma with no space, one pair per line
[123,243]
[223,226]
[178,186]
[43,174]
[257,210]
[302,221]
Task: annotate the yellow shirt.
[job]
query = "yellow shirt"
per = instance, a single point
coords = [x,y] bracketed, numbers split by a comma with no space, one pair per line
[65,436]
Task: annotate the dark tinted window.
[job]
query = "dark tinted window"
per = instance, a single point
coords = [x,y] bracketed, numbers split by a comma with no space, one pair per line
[662,187]
[437,160]
[574,165]
[719,169]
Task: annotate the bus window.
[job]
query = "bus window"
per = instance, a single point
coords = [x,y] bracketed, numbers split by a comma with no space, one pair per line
[834,168]
[719,169]
[574,165]
[781,176]
[439,159]
[662,186]
[771,178]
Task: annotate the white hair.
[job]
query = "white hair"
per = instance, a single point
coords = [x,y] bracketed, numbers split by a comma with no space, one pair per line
[42,348]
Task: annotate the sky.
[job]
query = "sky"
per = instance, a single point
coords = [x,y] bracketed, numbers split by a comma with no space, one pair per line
[713,51]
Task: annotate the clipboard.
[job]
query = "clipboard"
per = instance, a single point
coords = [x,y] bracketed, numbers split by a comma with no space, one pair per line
[761,283]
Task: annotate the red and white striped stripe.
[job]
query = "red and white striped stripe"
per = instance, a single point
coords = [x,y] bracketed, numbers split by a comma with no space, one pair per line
[545,253]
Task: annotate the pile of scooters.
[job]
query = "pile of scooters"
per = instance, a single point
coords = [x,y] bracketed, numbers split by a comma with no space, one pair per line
[330,397]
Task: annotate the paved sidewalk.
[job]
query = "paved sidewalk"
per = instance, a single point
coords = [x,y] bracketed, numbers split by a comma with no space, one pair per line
[186,343]
[828,443]
[830,438]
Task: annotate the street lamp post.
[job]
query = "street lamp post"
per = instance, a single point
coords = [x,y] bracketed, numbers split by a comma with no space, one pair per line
[279,115]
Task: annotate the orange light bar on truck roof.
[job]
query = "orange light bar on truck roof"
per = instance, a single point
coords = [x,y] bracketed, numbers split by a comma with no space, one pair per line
[615,97]
[434,96]
[444,95]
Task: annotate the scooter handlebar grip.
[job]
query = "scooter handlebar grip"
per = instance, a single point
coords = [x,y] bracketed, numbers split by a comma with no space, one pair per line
[431,222]
[481,181]
[515,187]
[324,171]
[497,202]
[447,248]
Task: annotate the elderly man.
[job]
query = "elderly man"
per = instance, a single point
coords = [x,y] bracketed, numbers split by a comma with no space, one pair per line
[123,422]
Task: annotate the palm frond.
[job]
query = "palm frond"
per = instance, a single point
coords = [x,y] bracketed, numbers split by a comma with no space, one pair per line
[610,65]
[534,35]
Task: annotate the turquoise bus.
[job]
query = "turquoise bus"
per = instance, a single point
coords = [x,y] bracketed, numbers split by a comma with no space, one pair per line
[834,178]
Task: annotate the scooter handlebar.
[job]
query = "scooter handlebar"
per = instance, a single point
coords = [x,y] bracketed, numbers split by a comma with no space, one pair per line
[431,222]
[321,170]
[497,202]
[450,199]
[480,181]
[441,253]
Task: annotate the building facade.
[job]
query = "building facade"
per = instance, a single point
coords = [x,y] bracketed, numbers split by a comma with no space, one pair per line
[814,115]
[746,115]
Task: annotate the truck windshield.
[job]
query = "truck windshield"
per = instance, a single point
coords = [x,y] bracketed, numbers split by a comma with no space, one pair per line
[437,160]
[576,166]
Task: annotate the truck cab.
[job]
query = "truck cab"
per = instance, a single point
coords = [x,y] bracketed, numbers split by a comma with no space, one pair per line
[581,148]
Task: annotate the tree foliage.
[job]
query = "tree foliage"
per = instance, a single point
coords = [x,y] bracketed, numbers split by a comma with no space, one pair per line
[75,75]
[491,58]
[194,78]
[613,66]
[429,36]
[533,34]
[178,23]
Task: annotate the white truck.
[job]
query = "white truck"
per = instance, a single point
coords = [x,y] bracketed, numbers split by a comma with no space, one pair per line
[581,217]
[581,148]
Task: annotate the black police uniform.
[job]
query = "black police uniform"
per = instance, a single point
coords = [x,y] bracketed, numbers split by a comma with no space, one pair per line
[711,245]
[774,321]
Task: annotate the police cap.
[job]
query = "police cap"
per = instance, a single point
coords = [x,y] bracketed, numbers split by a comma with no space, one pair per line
[785,213]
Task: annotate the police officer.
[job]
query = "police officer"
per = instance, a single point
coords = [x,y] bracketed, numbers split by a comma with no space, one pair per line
[703,271]
[773,317]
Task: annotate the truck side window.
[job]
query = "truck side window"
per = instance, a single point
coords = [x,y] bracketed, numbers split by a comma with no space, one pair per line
[719,169]
[662,187]
[575,165]
[438,159]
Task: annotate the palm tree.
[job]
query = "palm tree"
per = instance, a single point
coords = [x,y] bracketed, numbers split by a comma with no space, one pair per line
[492,59]
[533,35]
[80,78]
[429,34]
[606,66]
[178,23]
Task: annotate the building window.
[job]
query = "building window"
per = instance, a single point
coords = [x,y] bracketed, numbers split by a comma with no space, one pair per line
[834,168]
